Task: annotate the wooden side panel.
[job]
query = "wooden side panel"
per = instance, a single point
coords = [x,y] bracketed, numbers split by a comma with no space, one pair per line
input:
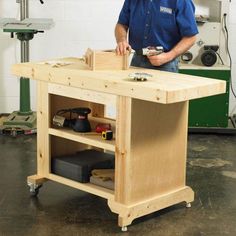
[43,143]
[158,148]
[155,163]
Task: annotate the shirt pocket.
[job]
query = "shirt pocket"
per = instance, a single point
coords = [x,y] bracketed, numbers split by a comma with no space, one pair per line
[165,22]
[163,16]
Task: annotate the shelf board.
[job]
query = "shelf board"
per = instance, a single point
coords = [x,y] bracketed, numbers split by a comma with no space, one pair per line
[92,139]
[87,187]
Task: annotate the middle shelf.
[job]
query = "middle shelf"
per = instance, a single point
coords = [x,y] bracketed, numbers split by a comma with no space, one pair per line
[92,138]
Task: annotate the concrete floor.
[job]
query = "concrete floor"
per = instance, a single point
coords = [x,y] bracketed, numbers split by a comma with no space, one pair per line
[61,210]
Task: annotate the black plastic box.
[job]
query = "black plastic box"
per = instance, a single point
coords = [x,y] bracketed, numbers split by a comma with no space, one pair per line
[78,167]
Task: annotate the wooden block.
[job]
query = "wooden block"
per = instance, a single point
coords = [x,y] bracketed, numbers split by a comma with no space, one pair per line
[105,60]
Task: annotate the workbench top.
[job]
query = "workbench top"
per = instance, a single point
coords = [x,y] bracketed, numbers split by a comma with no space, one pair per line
[162,87]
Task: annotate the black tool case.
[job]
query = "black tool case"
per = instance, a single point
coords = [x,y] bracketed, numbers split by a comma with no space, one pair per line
[78,166]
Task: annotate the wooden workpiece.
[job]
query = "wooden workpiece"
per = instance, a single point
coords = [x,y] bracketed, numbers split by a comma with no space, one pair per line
[107,59]
[150,127]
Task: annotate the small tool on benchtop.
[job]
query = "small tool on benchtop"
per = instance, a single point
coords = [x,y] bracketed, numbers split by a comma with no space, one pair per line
[140,76]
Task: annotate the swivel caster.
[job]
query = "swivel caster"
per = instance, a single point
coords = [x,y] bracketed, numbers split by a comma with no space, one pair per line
[34,189]
[124,229]
[188,205]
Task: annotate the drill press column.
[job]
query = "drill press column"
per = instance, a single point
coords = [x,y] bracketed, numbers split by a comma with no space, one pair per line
[24,82]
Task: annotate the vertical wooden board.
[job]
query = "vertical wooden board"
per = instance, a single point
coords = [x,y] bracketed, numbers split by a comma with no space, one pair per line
[89,58]
[43,144]
[93,61]
[122,154]
[126,61]
[158,149]
[97,110]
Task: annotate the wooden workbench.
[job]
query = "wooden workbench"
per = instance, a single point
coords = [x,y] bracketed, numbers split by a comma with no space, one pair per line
[151,126]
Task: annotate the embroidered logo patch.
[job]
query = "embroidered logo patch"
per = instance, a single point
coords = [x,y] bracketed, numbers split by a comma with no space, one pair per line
[166,10]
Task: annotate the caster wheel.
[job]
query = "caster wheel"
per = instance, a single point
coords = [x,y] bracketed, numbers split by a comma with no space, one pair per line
[34,193]
[124,229]
[188,205]
[34,189]
[14,133]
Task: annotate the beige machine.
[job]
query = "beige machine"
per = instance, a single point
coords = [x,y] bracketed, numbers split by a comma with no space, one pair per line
[211,16]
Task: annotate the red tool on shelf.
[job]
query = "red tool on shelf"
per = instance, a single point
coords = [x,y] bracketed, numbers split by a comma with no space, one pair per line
[101,127]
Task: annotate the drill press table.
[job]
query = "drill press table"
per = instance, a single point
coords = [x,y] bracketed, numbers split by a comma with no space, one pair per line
[151,126]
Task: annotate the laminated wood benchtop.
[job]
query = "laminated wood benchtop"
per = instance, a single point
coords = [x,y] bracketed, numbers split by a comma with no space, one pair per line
[162,87]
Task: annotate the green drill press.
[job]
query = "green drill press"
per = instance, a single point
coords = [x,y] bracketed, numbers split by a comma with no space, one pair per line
[24,120]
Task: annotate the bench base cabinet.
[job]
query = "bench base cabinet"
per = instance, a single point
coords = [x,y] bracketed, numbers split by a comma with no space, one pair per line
[149,145]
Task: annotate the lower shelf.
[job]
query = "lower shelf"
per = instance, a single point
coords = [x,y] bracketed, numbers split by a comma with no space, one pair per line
[87,187]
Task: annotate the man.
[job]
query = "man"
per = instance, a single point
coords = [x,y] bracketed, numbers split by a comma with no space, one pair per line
[167,23]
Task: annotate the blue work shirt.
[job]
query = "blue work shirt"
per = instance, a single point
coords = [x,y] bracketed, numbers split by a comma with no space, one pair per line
[158,22]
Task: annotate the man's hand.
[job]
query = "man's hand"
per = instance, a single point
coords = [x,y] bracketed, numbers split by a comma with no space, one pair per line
[121,39]
[184,45]
[160,59]
[122,48]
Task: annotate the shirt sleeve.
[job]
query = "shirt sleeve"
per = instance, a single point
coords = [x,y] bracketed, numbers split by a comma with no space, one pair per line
[124,16]
[185,16]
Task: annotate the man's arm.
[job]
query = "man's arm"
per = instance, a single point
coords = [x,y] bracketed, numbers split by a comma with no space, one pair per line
[184,45]
[121,39]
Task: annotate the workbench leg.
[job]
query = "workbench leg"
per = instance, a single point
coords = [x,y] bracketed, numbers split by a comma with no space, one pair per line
[35,182]
[122,223]
[43,121]
[36,179]
[43,152]
[127,213]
